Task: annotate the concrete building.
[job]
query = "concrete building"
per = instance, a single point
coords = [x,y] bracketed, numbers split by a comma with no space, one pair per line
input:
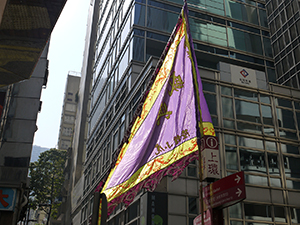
[69,108]
[20,104]
[255,119]
[284,22]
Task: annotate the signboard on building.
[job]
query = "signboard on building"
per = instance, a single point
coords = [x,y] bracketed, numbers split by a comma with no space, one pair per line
[210,157]
[153,208]
[243,76]
[7,199]
[226,191]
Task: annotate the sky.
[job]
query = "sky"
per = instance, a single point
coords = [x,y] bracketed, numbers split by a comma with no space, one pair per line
[65,54]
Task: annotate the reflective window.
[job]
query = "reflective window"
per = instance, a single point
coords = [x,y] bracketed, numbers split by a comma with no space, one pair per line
[247,111]
[253,161]
[208,32]
[273,164]
[226,90]
[284,102]
[235,211]
[211,102]
[161,20]
[287,148]
[227,107]
[139,14]
[241,12]
[266,112]
[256,180]
[258,212]
[245,94]
[244,41]
[251,142]
[253,128]
[279,214]
[263,18]
[230,139]
[292,166]
[285,118]
[231,158]
[208,87]
[137,48]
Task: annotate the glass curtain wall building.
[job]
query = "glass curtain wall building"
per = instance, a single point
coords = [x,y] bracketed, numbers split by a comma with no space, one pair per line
[284,21]
[257,122]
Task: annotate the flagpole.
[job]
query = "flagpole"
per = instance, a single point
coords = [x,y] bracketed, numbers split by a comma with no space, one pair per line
[200,126]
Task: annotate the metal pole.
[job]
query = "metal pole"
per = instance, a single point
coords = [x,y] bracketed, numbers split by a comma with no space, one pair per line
[201,184]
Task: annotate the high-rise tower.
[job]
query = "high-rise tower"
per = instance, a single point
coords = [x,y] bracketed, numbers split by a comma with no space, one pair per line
[284,21]
[256,120]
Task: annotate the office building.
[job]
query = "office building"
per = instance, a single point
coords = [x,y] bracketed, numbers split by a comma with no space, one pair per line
[284,22]
[255,119]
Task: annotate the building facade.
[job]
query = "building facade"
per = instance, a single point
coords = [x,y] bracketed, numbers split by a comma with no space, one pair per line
[19,107]
[69,108]
[256,120]
[284,22]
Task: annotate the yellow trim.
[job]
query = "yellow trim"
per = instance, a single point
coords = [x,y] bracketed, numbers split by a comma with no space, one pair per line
[152,167]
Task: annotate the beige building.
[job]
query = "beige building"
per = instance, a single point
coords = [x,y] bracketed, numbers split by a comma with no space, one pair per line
[69,111]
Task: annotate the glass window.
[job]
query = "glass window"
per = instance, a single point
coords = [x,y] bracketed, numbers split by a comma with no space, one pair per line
[285,118]
[240,11]
[284,102]
[208,87]
[295,215]
[256,180]
[154,48]
[266,112]
[253,161]
[287,148]
[279,214]
[137,49]
[245,94]
[292,166]
[226,90]
[244,41]
[161,20]
[258,212]
[275,182]
[235,211]
[251,142]
[227,107]
[267,47]
[231,158]
[208,32]
[211,102]
[228,124]
[139,14]
[247,111]
[265,99]
[293,184]
[273,164]
[247,127]
[230,139]
[193,205]
[263,18]
[270,146]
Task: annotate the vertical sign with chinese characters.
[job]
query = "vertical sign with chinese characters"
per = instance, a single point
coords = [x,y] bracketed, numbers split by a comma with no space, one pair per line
[210,157]
[157,209]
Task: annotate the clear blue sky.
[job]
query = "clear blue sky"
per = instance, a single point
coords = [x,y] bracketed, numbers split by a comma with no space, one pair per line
[65,54]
